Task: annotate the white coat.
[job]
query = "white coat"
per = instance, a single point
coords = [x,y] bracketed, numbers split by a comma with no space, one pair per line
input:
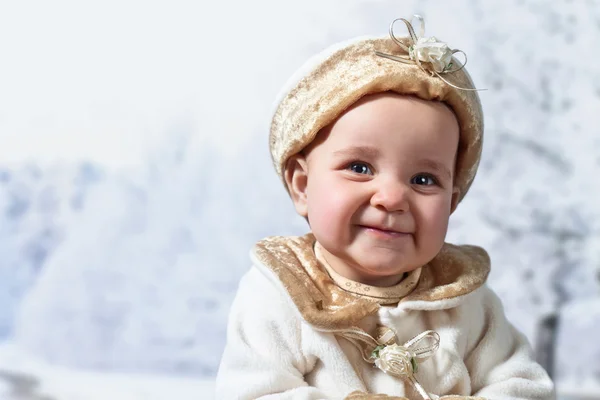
[280,344]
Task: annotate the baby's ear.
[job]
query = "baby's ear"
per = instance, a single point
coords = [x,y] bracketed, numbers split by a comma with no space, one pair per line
[296,179]
[455,198]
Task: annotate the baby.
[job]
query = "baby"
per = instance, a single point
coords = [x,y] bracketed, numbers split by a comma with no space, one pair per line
[377,141]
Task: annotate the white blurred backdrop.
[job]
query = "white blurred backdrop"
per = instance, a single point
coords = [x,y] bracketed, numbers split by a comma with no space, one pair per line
[135,175]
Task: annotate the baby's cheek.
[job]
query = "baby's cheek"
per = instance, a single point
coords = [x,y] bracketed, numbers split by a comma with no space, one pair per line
[437,221]
[324,207]
[328,211]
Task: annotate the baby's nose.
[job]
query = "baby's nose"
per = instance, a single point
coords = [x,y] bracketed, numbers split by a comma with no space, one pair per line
[391,196]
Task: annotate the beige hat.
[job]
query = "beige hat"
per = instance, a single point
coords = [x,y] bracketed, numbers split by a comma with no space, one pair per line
[331,81]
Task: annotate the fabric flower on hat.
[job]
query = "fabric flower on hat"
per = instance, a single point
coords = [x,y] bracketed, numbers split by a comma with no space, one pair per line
[431,50]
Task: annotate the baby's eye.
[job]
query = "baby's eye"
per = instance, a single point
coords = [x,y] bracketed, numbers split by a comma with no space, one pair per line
[360,168]
[423,179]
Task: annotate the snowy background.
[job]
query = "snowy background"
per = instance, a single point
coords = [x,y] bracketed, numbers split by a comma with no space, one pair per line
[135,176]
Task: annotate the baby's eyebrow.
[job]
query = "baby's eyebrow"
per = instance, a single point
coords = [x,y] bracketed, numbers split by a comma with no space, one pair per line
[437,166]
[365,151]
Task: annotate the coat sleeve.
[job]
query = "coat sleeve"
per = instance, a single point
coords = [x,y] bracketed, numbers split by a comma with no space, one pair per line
[501,363]
[263,357]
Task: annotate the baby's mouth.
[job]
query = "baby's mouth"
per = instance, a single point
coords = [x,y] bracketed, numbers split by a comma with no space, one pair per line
[383,230]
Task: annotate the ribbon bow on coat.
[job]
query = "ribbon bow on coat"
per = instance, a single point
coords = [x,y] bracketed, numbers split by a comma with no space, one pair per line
[400,361]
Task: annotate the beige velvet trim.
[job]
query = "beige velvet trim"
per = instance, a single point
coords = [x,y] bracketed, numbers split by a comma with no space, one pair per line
[367,396]
[382,295]
[320,301]
[354,71]
[456,271]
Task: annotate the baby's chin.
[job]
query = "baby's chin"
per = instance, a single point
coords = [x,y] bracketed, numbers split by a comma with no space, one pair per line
[381,268]
[380,278]
[385,261]
[384,272]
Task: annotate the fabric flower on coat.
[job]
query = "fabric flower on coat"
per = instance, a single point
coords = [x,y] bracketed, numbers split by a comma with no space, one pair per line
[396,360]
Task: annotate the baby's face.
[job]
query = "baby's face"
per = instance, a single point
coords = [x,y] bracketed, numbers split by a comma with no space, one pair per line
[378,188]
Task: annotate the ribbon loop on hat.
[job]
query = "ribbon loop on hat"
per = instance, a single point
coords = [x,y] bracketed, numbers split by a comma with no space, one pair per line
[428,53]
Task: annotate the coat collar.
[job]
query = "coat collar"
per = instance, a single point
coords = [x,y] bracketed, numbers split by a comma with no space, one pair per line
[455,272]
